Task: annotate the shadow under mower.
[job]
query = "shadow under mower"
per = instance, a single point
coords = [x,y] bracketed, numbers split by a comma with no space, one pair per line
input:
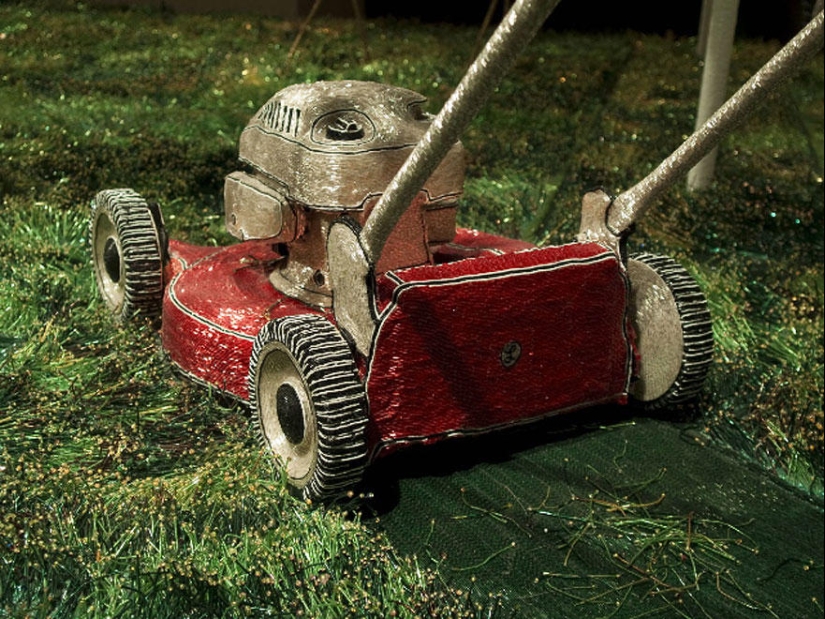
[354,317]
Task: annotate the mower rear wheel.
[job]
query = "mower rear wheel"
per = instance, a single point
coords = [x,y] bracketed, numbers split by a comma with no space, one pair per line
[127,238]
[309,405]
[674,334]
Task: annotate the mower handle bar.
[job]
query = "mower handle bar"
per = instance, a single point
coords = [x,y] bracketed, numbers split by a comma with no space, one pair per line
[629,206]
[517,29]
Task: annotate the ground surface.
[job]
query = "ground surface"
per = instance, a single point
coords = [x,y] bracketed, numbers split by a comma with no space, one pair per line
[626,519]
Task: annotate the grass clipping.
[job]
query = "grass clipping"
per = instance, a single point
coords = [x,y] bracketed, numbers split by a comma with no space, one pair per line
[661,561]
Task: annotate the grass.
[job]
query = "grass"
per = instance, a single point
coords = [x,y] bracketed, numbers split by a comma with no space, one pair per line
[124,488]
[222,539]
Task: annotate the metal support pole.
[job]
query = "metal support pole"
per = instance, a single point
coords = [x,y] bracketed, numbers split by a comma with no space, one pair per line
[721,32]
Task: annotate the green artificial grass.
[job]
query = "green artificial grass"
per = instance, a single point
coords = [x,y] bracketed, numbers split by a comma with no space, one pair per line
[125,491]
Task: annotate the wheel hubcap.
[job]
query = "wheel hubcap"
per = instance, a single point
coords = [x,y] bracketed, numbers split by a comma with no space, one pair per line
[658,330]
[111,259]
[290,413]
[108,262]
[286,412]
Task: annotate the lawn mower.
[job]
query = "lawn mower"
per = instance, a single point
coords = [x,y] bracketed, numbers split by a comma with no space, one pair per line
[354,317]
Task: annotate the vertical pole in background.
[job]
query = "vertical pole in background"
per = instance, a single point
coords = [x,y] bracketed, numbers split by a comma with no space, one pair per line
[718,47]
[704,21]
[631,204]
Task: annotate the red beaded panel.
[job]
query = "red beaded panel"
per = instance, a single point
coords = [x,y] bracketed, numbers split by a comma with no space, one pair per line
[477,344]
[213,310]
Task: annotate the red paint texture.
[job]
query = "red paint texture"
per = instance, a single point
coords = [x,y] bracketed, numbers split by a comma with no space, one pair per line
[214,308]
[438,365]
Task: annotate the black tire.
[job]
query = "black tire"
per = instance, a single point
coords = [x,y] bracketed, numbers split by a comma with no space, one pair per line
[674,333]
[309,405]
[128,238]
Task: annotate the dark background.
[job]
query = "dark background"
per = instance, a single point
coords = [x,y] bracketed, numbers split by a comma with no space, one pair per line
[772,19]
[768,19]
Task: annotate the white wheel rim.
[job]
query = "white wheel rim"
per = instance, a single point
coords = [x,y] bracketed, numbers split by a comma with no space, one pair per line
[286,413]
[109,263]
[658,327]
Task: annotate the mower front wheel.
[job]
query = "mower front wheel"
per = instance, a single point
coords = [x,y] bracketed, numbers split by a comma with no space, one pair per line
[128,245]
[309,405]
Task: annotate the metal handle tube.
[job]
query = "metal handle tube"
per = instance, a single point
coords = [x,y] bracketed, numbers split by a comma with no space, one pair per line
[516,30]
[630,205]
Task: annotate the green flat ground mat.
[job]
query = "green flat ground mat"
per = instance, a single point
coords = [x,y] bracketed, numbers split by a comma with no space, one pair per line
[630,519]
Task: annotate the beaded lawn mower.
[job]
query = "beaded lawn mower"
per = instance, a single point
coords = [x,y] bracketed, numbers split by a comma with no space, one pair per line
[355,318]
